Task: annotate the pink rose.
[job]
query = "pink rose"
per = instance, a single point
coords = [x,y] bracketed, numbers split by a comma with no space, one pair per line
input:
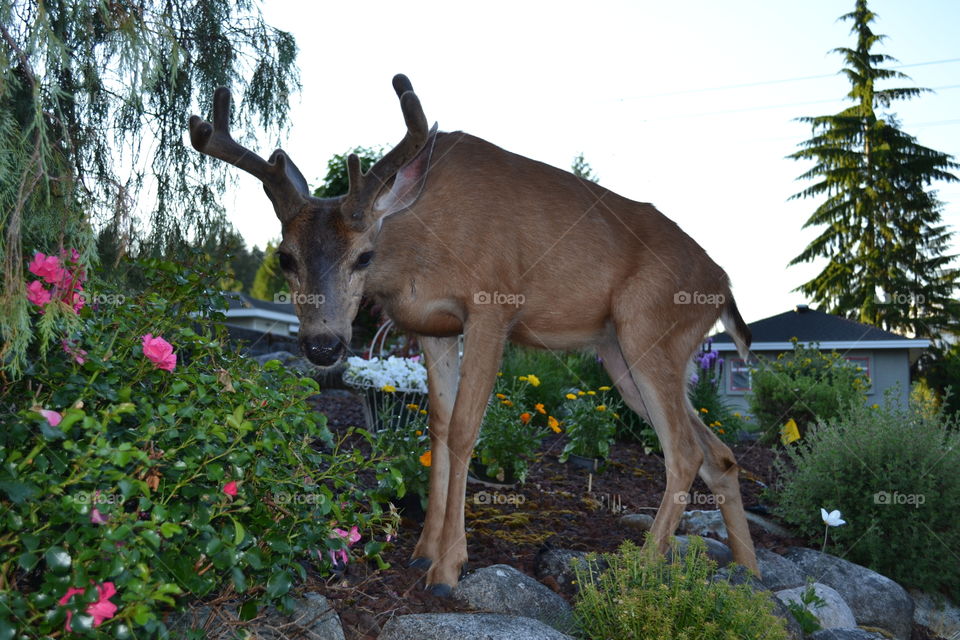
[101,610]
[230,488]
[38,294]
[160,352]
[97,518]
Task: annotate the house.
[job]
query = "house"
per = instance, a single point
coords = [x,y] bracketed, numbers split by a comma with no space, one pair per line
[262,326]
[885,357]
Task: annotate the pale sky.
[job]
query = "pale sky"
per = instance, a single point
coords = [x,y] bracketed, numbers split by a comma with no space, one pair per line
[689,106]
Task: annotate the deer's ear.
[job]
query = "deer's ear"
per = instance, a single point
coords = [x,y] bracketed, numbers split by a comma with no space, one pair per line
[408,182]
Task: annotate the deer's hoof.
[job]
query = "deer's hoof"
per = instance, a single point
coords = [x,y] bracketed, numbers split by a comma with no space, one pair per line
[440,590]
[420,563]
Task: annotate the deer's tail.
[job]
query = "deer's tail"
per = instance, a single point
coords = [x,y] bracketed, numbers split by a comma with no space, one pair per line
[736,327]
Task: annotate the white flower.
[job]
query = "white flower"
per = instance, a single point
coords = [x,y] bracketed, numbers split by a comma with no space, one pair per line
[405,374]
[832,519]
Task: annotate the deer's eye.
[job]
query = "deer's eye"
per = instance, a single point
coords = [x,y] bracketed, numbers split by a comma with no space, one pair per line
[287,263]
[363,260]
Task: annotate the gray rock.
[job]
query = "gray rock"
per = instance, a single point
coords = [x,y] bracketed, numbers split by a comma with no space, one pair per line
[845,634]
[558,564]
[312,617]
[467,626]
[701,523]
[502,589]
[768,525]
[637,521]
[777,572]
[940,615]
[876,601]
[716,550]
[834,614]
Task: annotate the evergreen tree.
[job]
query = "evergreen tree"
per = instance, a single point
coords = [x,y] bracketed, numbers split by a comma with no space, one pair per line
[582,169]
[269,280]
[882,230]
[93,100]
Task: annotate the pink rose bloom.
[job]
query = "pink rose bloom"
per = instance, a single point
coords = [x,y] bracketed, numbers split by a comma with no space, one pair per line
[230,488]
[79,355]
[38,294]
[46,267]
[77,301]
[344,557]
[159,352]
[52,417]
[352,536]
[98,518]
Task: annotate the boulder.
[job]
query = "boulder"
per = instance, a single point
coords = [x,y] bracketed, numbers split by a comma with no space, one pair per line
[876,601]
[701,523]
[776,572]
[500,588]
[558,565]
[467,626]
[937,613]
[845,634]
[716,550]
[637,521]
[834,614]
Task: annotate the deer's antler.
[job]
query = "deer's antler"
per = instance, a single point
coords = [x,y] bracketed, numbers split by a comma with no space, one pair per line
[365,186]
[281,179]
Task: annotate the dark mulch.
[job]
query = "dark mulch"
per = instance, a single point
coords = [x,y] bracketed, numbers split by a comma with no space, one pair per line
[556,509]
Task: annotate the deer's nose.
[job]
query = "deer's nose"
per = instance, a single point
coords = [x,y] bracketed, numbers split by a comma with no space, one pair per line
[323,350]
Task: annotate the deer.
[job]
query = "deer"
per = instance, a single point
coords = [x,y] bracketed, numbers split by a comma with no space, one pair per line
[454,236]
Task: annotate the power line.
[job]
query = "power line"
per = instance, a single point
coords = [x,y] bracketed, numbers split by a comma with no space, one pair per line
[762,83]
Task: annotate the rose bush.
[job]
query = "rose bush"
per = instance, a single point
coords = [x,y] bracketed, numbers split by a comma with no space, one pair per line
[145,463]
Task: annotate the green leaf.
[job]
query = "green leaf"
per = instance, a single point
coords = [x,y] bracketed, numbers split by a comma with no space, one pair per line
[28,561]
[169,529]
[58,560]
[19,492]
[239,580]
[249,610]
[238,533]
[279,584]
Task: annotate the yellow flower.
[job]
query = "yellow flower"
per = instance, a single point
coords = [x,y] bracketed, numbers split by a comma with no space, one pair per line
[499,374]
[591,393]
[507,403]
[737,414]
[603,388]
[413,407]
[522,378]
[874,406]
[423,411]
[525,417]
[389,388]
[418,432]
[554,424]
[601,407]
[539,408]
[581,393]
[570,396]
[704,410]
[501,396]
[533,380]
[426,458]
[615,415]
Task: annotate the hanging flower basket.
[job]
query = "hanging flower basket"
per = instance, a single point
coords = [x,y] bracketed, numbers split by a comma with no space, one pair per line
[393,389]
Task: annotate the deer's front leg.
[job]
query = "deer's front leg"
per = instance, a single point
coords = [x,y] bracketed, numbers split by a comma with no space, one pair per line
[482,352]
[443,364]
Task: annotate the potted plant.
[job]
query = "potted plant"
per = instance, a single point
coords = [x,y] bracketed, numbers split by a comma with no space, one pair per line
[591,422]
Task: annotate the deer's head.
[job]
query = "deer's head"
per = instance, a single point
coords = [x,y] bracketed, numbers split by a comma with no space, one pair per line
[328,243]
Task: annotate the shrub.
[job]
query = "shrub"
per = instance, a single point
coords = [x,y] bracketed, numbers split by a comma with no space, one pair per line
[138,470]
[512,430]
[806,385]
[642,595]
[893,473]
[590,419]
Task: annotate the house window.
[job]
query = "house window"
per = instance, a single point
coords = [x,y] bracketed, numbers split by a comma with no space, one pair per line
[862,362]
[741,376]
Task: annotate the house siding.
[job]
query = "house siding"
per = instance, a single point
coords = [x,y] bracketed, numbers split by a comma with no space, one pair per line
[889,369]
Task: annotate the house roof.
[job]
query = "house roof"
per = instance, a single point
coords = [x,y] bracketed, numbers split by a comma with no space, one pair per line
[809,325]
[243,306]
